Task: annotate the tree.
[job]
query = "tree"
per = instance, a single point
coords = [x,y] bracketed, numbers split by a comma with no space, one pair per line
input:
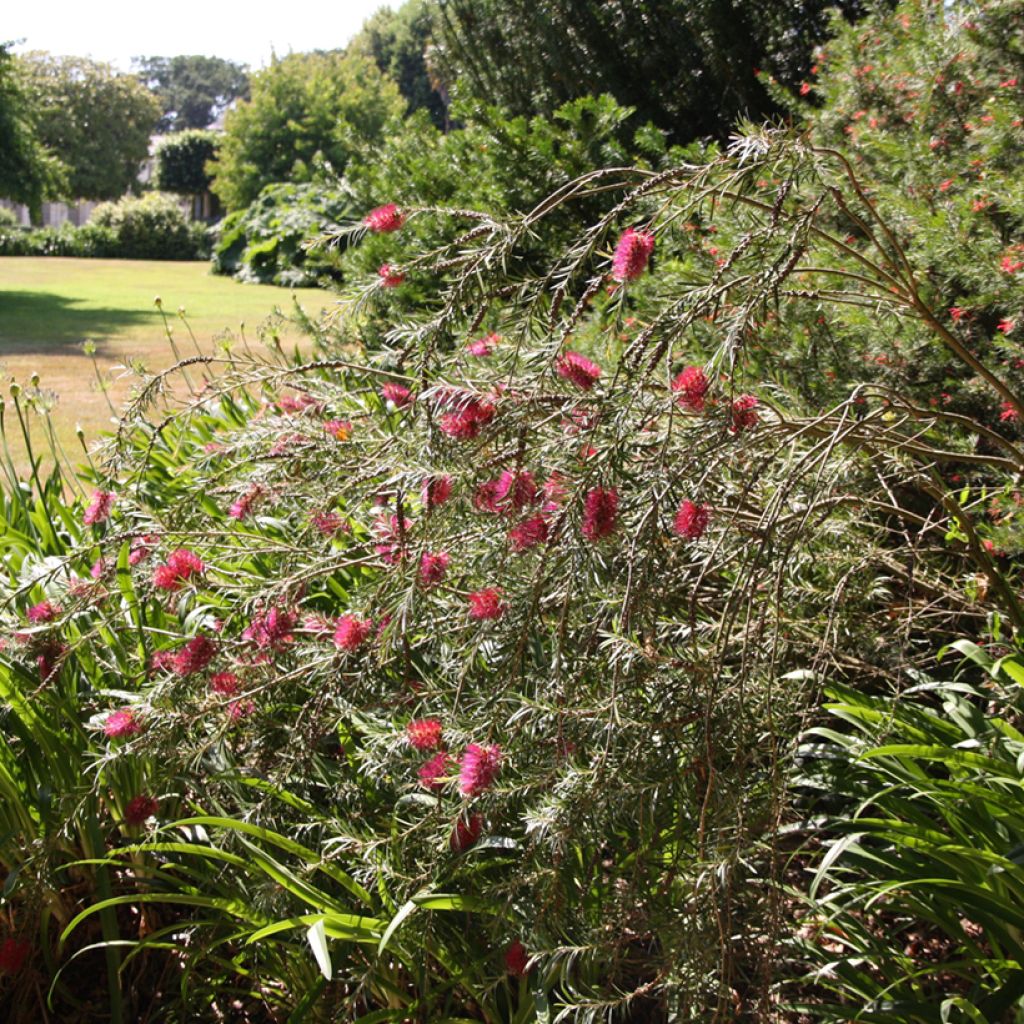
[688,66]
[181,161]
[398,42]
[29,172]
[96,120]
[193,90]
[307,111]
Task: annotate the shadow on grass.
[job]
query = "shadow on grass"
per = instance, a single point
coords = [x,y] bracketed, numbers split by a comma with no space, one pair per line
[46,321]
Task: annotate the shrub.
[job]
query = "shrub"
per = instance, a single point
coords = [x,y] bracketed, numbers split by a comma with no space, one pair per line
[8,218]
[150,227]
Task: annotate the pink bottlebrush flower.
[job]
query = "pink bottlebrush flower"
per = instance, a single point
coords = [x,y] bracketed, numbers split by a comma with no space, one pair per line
[180,567]
[398,394]
[1010,266]
[632,254]
[162,659]
[194,656]
[287,443]
[691,520]
[485,498]
[384,219]
[554,492]
[424,733]
[297,403]
[529,533]
[327,523]
[578,370]
[433,566]
[45,611]
[392,538]
[99,508]
[432,774]
[436,490]
[13,954]
[271,630]
[319,625]
[690,387]
[121,723]
[465,424]
[743,413]
[1008,413]
[242,508]
[478,769]
[467,831]
[516,960]
[1005,326]
[98,568]
[139,809]
[239,709]
[226,684]
[340,430]
[390,277]
[515,490]
[483,347]
[351,632]
[487,604]
[141,548]
[957,313]
[600,512]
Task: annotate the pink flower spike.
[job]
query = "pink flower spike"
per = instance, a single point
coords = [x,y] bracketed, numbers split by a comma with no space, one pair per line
[121,723]
[140,809]
[691,520]
[529,533]
[466,833]
[487,604]
[432,774]
[478,769]
[180,567]
[327,523]
[384,219]
[690,387]
[99,508]
[226,684]
[484,347]
[600,513]
[632,254]
[398,394]
[45,611]
[194,656]
[424,734]
[340,430]
[433,567]
[351,632]
[436,490]
[743,413]
[390,277]
[516,960]
[578,370]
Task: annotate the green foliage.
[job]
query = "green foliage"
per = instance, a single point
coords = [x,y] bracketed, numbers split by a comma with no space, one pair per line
[308,113]
[8,218]
[89,240]
[97,121]
[29,172]
[265,242]
[150,227]
[193,89]
[398,41]
[181,161]
[913,916]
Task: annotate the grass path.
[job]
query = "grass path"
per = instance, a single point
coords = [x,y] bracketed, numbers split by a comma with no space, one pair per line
[49,307]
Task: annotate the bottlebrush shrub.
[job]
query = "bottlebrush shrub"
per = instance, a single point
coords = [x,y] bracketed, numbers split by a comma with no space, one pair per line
[616,701]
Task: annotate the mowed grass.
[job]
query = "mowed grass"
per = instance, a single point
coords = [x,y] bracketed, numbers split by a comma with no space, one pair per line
[50,307]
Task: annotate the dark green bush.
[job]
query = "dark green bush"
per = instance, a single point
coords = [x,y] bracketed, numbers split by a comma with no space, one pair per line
[148,228]
[181,161]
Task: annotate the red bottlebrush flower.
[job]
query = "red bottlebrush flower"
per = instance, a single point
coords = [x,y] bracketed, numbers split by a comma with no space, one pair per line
[271,629]
[99,508]
[516,960]
[529,533]
[384,219]
[1005,326]
[485,499]
[351,632]
[432,774]
[805,88]
[319,625]
[484,346]
[13,955]
[327,523]
[744,413]
[578,369]
[139,809]
[478,769]
[467,422]
[691,520]
[121,723]
[957,313]
[1009,413]
[239,709]
[600,512]
[390,277]
[194,656]
[180,567]
[48,658]
[436,490]
[340,430]
[390,538]
[141,548]
[242,508]
[466,833]
[98,568]
[433,566]
[554,492]
[424,734]
[1010,266]
[632,254]
[45,611]
[297,403]
[226,684]
[162,660]
[515,490]
[486,604]
[398,394]
[690,387]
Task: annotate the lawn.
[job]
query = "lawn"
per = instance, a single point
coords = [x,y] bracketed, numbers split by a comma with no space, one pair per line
[49,307]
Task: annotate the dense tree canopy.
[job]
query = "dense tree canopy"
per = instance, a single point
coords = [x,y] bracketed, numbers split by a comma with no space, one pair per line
[181,161]
[28,171]
[193,90]
[96,120]
[306,110]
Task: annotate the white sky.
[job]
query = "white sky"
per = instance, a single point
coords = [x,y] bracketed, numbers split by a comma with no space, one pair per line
[246,31]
